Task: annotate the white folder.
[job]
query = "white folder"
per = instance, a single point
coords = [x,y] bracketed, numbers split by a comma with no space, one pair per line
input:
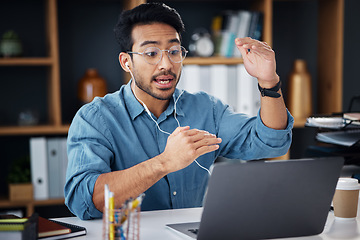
[39,167]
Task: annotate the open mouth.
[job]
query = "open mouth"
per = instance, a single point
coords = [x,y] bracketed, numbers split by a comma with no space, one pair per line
[164,81]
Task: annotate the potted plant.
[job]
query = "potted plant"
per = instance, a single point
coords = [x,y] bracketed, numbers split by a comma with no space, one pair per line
[10,44]
[19,179]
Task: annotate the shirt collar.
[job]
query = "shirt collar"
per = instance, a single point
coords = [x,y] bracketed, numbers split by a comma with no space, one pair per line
[135,108]
[132,104]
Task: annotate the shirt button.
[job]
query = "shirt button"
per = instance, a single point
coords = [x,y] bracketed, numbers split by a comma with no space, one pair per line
[174,193]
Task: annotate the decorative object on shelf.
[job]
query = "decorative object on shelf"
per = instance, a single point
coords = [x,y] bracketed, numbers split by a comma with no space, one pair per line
[28,118]
[201,44]
[300,92]
[19,179]
[21,192]
[91,85]
[10,45]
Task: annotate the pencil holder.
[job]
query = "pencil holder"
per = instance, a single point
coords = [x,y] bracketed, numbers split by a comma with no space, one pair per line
[121,224]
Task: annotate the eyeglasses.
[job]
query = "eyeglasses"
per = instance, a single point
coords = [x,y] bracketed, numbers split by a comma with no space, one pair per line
[153,55]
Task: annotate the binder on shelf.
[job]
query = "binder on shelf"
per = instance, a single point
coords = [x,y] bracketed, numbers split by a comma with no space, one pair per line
[232,94]
[57,165]
[54,168]
[205,76]
[219,82]
[190,78]
[39,167]
[223,83]
[48,158]
[64,163]
[248,94]
[230,83]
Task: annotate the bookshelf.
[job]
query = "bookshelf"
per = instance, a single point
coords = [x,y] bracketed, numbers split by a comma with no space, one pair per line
[30,205]
[51,62]
[212,60]
[330,63]
[329,66]
[34,130]
[27,61]
[330,23]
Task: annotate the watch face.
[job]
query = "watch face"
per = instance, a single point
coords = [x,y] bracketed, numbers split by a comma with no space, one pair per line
[204,47]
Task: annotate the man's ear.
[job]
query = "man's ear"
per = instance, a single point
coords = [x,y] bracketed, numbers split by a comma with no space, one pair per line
[124,60]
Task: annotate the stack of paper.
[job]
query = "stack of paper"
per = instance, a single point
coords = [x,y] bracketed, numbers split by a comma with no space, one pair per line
[343,138]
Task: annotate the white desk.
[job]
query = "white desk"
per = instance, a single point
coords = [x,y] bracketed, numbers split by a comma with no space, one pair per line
[152,226]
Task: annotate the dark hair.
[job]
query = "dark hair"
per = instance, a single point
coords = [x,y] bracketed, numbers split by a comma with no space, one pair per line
[143,14]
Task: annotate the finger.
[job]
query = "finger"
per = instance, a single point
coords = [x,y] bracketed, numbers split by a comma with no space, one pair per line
[206,149]
[240,42]
[262,50]
[262,53]
[242,50]
[180,129]
[248,50]
[195,132]
[208,141]
[249,43]
[259,44]
[200,134]
[262,47]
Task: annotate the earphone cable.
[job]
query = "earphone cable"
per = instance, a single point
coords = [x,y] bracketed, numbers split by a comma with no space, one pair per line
[165,132]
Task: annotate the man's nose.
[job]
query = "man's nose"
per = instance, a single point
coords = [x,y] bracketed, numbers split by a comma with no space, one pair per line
[165,62]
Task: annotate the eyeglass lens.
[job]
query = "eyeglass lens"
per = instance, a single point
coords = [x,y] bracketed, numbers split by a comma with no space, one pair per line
[153,55]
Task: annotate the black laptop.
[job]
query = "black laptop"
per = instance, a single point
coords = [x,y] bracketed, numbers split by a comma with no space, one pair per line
[266,199]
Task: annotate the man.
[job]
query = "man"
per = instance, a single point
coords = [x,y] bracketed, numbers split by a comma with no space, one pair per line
[151,137]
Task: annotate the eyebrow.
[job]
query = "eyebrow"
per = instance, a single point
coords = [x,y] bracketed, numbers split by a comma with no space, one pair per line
[148,42]
[174,40]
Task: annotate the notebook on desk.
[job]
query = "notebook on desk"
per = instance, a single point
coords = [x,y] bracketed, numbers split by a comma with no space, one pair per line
[266,199]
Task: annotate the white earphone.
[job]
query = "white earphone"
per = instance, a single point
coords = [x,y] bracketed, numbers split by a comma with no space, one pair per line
[149,113]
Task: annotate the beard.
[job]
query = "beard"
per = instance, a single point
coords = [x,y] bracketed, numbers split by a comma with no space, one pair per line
[141,84]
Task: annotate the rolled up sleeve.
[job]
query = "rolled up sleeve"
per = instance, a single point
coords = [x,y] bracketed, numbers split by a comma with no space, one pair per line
[253,140]
[89,155]
[274,143]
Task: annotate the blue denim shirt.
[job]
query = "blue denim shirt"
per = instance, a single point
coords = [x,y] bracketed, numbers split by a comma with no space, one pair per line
[114,133]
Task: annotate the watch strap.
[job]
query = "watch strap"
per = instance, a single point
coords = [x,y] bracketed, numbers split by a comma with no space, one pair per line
[270,92]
